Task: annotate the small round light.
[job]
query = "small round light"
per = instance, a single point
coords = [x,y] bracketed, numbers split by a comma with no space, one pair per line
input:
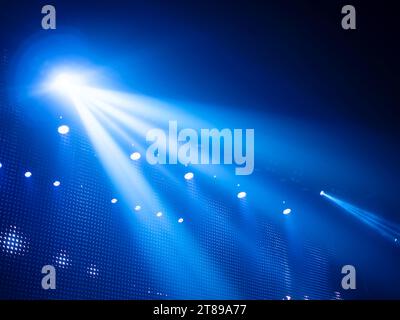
[242,195]
[180,220]
[287,211]
[28,174]
[189,176]
[159,214]
[322,193]
[114,200]
[63,129]
[1,165]
[135,156]
[56,183]
[138,208]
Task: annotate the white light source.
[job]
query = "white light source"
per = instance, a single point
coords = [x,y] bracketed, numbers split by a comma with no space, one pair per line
[28,174]
[159,214]
[322,193]
[135,156]
[1,165]
[67,83]
[180,220]
[56,183]
[242,195]
[137,208]
[63,129]
[114,200]
[189,176]
[287,211]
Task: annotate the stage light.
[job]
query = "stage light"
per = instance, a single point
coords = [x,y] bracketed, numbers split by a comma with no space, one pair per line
[385,227]
[287,211]
[137,208]
[135,156]
[1,165]
[28,174]
[67,83]
[322,193]
[189,176]
[114,200]
[242,195]
[180,220]
[159,214]
[63,129]
[56,183]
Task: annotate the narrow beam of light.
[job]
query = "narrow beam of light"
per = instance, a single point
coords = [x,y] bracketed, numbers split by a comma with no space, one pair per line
[386,228]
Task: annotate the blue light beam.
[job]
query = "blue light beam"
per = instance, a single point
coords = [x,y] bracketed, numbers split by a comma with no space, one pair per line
[386,228]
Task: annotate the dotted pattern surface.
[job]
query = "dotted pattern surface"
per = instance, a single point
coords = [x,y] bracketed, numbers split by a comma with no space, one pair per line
[199,248]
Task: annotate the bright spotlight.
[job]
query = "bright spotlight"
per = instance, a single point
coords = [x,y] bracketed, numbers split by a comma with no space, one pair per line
[242,195]
[287,211]
[189,176]
[63,129]
[56,183]
[159,214]
[322,193]
[67,83]
[180,220]
[114,200]
[137,208]
[28,174]
[1,165]
[135,156]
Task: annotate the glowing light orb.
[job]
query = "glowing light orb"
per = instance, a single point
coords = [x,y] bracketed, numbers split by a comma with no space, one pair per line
[56,183]
[67,83]
[1,165]
[322,193]
[114,200]
[242,195]
[159,214]
[180,220]
[135,156]
[138,208]
[28,174]
[189,176]
[63,129]
[287,211]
